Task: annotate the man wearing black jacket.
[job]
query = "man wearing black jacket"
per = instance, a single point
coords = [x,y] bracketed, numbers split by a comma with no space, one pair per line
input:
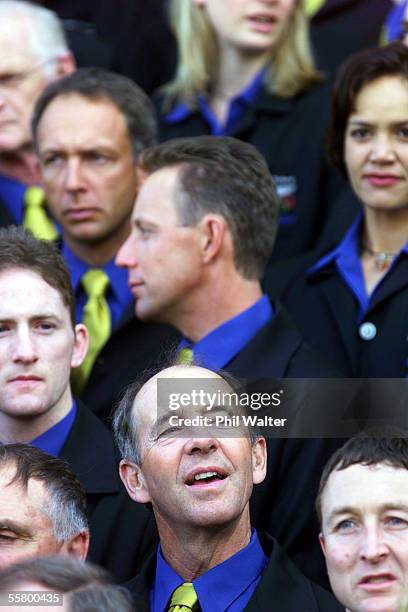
[89,130]
[203,229]
[39,343]
[199,481]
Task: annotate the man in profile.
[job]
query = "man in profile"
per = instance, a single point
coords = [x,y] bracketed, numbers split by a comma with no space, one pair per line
[203,229]
[199,483]
[363,510]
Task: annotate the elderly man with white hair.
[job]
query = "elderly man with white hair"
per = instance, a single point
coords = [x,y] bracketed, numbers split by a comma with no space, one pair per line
[33,52]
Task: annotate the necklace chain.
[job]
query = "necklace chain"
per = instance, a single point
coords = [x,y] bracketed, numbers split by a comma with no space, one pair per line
[383,259]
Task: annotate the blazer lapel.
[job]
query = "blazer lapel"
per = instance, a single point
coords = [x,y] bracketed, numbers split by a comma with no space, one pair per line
[397,281]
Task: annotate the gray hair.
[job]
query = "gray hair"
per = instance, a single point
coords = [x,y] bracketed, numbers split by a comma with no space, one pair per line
[46,34]
[125,426]
[87,586]
[65,505]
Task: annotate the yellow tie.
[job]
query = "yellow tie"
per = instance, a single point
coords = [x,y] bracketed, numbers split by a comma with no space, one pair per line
[97,318]
[312,6]
[185,356]
[184,599]
[35,217]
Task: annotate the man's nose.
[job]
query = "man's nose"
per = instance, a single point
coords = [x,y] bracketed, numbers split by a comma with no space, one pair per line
[25,350]
[374,546]
[127,254]
[203,445]
[74,176]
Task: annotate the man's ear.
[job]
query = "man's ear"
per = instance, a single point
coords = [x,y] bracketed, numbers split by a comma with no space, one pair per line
[134,481]
[66,65]
[322,543]
[213,229]
[141,174]
[77,546]
[259,460]
[80,345]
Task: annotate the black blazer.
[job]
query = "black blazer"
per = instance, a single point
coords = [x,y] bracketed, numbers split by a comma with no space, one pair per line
[122,532]
[289,133]
[325,310]
[132,348]
[283,504]
[343,27]
[279,351]
[282,587]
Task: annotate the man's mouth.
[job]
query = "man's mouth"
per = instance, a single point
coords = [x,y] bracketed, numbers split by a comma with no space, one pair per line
[80,214]
[26,378]
[135,286]
[377,582]
[205,477]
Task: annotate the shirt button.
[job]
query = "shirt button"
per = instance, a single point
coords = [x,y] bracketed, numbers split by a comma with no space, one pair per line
[367,331]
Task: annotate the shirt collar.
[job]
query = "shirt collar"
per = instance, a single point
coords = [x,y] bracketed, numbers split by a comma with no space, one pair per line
[393,24]
[346,252]
[52,440]
[218,588]
[248,95]
[347,247]
[118,278]
[222,344]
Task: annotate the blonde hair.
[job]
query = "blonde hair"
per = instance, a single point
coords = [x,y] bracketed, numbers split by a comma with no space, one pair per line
[291,69]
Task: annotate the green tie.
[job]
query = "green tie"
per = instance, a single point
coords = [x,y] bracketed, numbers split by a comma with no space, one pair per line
[184,599]
[185,356]
[97,318]
[35,217]
[312,6]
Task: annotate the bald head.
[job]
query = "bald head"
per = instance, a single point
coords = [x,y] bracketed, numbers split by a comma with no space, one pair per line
[143,403]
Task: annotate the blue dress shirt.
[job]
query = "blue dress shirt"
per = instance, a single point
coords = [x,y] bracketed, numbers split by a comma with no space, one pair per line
[52,440]
[346,258]
[12,195]
[239,104]
[222,344]
[227,586]
[118,295]
[393,24]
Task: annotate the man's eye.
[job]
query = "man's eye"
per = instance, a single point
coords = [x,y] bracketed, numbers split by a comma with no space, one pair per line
[403,132]
[9,80]
[4,328]
[169,432]
[45,326]
[346,525]
[52,160]
[144,231]
[97,158]
[7,538]
[396,522]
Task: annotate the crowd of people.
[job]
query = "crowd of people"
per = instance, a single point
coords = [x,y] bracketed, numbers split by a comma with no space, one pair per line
[223,215]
